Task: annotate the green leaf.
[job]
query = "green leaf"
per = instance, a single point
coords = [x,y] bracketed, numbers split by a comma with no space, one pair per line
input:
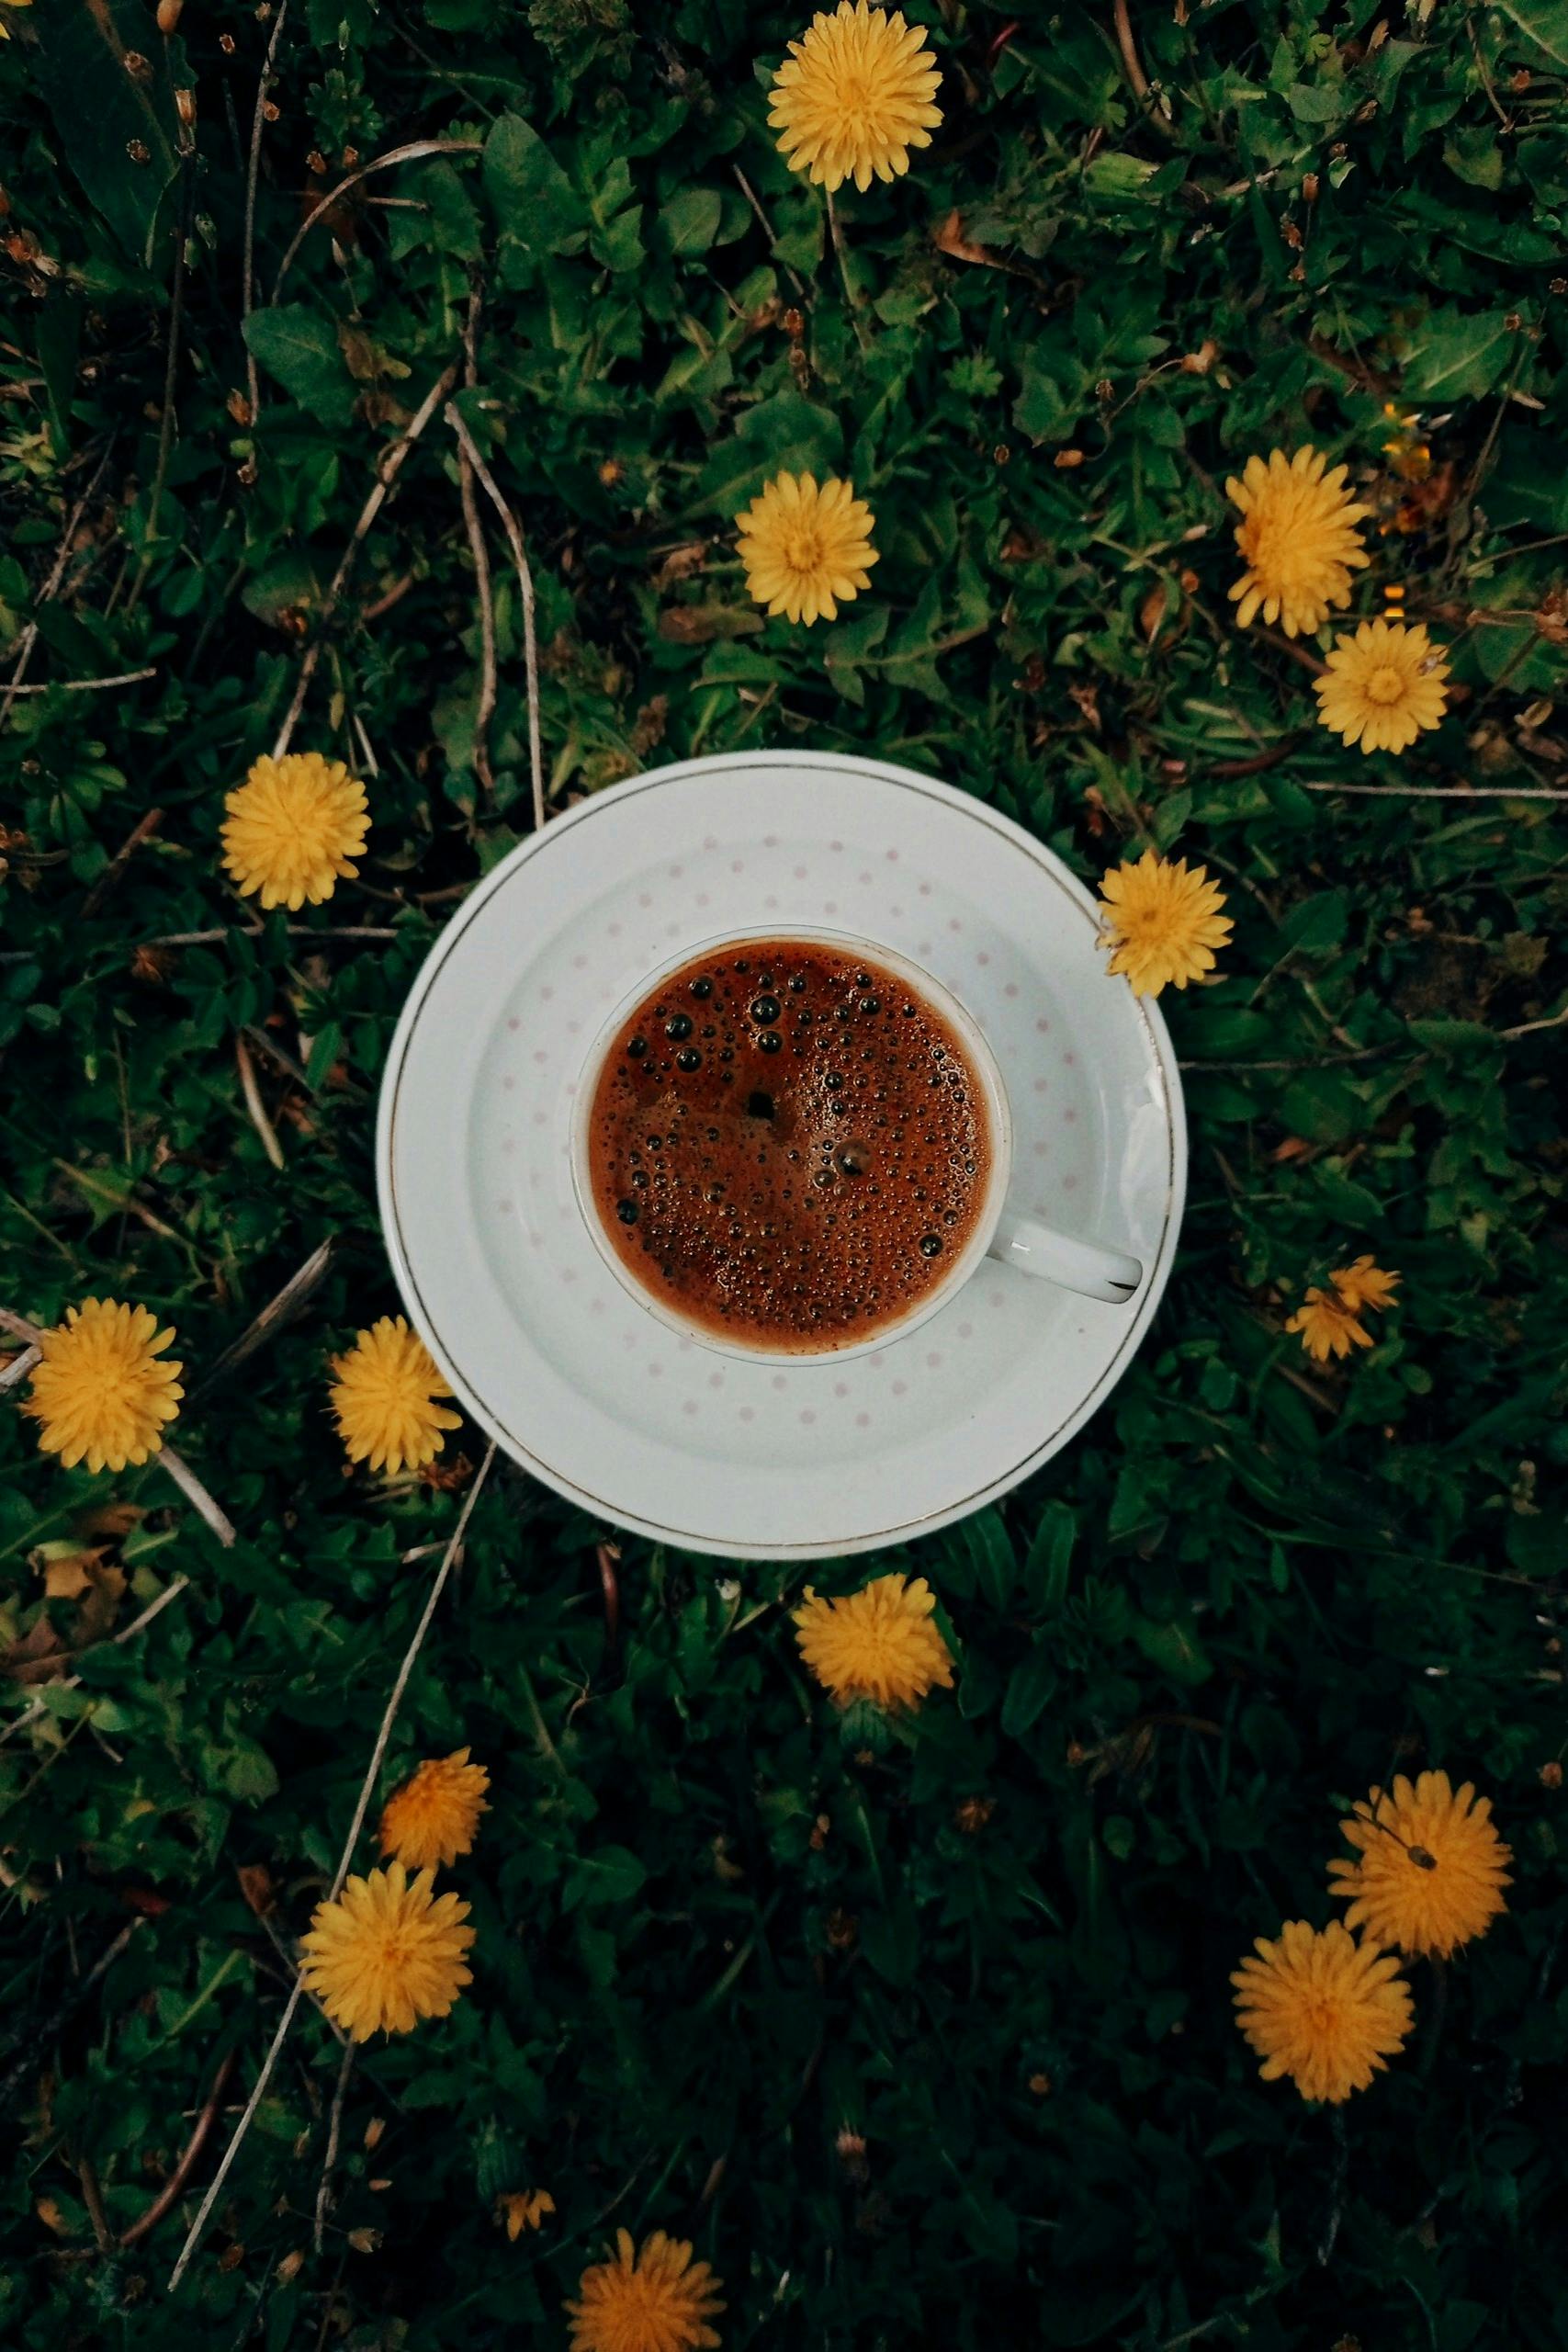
[300,347]
[453,223]
[249,1774]
[1116,176]
[114,124]
[1318,924]
[325,1047]
[1049,406]
[1314,102]
[1174,1648]
[609,1874]
[1544,22]
[787,434]
[1032,1686]
[1475,156]
[1171,819]
[1457,355]
[1049,1561]
[851,642]
[690,223]
[994,1563]
[614,237]
[891,1942]
[1518,650]
[1463,1040]
[58,337]
[537,210]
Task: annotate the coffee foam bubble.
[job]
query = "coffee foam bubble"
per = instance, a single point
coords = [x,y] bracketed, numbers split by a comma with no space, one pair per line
[787,1145]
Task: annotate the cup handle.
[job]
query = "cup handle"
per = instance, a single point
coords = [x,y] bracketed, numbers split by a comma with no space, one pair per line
[1035,1249]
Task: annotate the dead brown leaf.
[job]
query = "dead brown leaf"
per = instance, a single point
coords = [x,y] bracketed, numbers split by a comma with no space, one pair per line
[37,1655]
[256,1885]
[1087,697]
[647,727]
[145,1901]
[359,353]
[379,406]
[71,1572]
[1152,612]
[948,237]
[701,624]
[67,1579]
[681,564]
[116,1520]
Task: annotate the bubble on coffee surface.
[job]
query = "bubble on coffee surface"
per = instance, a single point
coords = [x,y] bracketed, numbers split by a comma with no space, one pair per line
[805,1166]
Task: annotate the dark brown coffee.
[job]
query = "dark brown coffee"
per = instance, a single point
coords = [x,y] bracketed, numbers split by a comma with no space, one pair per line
[788,1145]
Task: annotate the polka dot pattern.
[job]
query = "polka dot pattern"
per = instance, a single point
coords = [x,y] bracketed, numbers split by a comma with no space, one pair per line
[878,1419]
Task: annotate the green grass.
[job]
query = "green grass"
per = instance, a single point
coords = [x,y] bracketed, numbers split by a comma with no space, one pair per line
[712,1934]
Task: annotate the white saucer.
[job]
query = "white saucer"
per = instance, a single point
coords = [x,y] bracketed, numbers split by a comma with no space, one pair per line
[548,1352]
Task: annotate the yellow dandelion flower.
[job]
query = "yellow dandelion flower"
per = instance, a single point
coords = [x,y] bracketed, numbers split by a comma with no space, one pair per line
[100,1391]
[1327,1325]
[652,2299]
[1320,2008]
[435,1816]
[881,1643]
[4,28]
[854,95]
[1363,1285]
[1429,1874]
[1384,686]
[1329,1322]
[1163,919]
[383,1399]
[524,2208]
[803,547]
[293,827]
[387,1952]
[1298,535]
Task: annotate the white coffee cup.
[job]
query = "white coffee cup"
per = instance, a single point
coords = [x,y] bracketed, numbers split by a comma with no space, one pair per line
[1000,1232]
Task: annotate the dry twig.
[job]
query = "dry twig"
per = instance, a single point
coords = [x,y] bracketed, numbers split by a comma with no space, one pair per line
[387,471]
[143,829]
[41,2034]
[252,169]
[334,2128]
[486,708]
[171,376]
[1301,654]
[755,201]
[173,2186]
[1528,1028]
[1155,109]
[274,2050]
[526,585]
[274,1315]
[608,1556]
[1440,791]
[253,930]
[412,153]
[177,1467]
[50,588]
[255,1106]
[842,253]
[19,1367]
[87,685]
